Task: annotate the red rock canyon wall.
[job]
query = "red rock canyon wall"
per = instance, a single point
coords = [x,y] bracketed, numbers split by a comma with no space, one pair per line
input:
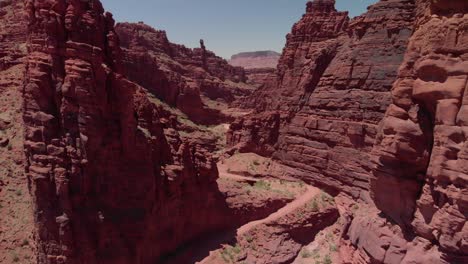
[421,150]
[182,77]
[333,87]
[375,108]
[111,179]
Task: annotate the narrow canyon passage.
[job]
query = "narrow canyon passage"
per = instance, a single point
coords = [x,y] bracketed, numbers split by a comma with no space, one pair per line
[120,146]
[203,249]
[300,201]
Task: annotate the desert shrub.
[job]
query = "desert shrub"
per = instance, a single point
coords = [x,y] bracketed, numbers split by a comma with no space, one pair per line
[263,185]
[313,205]
[326,198]
[229,253]
[15,258]
[305,253]
[333,247]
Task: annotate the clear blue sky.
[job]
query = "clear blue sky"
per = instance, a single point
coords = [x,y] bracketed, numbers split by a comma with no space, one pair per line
[227,26]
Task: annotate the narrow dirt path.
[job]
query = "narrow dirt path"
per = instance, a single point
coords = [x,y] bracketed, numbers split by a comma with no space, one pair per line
[300,201]
[235,177]
[290,207]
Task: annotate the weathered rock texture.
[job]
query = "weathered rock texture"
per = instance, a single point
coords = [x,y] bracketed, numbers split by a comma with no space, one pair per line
[333,87]
[261,76]
[421,173]
[279,240]
[111,179]
[12,33]
[115,178]
[16,217]
[188,79]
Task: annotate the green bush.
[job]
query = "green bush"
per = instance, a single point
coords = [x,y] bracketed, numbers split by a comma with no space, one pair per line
[263,185]
[314,205]
[333,247]
[230,252]
[305,253]
[325,197]
[355,207]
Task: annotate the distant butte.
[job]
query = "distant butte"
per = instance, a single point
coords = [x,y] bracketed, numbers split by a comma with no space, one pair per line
[255,59]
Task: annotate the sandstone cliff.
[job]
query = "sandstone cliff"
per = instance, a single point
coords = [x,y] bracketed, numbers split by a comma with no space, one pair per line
[260,77]
[16,220]
[193,80]
[333,87]
[374,108]
[420,176]
[111,178]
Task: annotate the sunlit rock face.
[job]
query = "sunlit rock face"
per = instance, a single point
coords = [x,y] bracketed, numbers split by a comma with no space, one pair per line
[181,77]
[421,152]
[374,107]
[333,88]
[111,179]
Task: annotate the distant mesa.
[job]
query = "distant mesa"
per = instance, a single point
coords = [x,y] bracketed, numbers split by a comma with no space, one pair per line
[256,54]
[255,59]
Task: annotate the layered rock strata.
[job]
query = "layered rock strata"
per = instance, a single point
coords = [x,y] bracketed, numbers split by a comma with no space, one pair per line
[421,172]
[111,178]
[333,87]
[376,111]
[281,239]
[260,76]
[189,79]
[16,220]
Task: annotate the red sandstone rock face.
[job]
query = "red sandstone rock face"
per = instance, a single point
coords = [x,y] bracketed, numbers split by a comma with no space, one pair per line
[112,180]
[16,221]
[185,78]
[278,239]
[12,33]
[334,85]
[255,134]
[260,77]
[334,81]
[421,152]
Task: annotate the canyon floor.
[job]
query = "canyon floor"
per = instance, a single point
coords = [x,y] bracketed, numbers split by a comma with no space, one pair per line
[118,146]
[244,179]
